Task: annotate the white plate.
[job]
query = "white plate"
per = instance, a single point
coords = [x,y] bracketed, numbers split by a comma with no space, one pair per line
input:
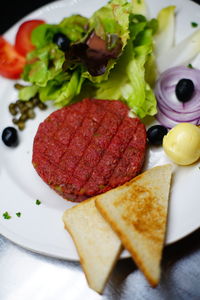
[40,228]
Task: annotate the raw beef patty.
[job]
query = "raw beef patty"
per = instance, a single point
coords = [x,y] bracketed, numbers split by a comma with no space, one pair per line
[88,148]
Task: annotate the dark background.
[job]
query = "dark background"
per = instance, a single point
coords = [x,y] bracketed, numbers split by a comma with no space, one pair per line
[13,11]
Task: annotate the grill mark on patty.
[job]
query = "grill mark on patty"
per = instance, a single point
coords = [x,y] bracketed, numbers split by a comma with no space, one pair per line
[67,165]
[97,158]
[66,129]
[100,171]
[101,152]
[78,158]
[49,152]
[52,178]
[74,129]
[73,159]
[126,167]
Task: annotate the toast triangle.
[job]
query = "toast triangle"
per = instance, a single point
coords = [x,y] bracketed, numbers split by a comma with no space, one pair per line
[137,212]
[97,244]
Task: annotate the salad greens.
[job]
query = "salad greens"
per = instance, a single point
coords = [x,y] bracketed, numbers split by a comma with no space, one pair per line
[182,53]
[136,59]
[139,7]
[111,54]
[164,37]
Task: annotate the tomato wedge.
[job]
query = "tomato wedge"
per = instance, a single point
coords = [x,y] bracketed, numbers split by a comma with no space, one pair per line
[23,43]
[11,62]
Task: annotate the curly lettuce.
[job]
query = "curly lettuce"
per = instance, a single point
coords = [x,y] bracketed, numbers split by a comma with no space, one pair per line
[129,80]
[111,54]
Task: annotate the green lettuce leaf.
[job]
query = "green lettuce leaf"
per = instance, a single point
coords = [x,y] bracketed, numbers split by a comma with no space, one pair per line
[43,34]
[128,80]
[112,19]
[141,97]
[139,7]
[116,38]
[70,89]
[28,92]
[164,39]
[43,64]
[53,89]
[74,27]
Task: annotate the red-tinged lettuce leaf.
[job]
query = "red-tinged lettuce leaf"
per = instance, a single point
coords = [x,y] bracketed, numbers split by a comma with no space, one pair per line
[94,54]
[107,36]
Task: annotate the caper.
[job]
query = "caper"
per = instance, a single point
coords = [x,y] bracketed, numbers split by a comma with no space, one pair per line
[21,125]
[42,105]
[23,117]
[29,104]
[23,108]
[15,121]
[30,114]
[20,104]
[35,101]
[18,101]
[12,109]
[18,86]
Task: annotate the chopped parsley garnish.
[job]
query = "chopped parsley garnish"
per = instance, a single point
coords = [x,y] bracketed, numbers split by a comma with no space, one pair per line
[194,24]
[190,66]
[38,202]
[18,214]
[6,216]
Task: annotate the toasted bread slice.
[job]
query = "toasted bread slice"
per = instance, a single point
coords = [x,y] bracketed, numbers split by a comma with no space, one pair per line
[137,212]
[96,243]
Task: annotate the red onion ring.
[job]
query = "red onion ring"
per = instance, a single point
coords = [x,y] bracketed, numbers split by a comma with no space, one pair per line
[171,111]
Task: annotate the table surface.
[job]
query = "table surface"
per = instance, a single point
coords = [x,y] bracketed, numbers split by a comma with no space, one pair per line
[25,275]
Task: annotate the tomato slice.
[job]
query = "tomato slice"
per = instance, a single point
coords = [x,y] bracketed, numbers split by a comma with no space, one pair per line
[23,43]
[11,62]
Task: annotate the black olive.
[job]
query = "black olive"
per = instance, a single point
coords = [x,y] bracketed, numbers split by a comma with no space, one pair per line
[155,134]
[61,41]
[10,137]
[184,90]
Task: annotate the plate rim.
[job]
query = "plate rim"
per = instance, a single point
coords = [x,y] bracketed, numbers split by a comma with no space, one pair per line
[28,245]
